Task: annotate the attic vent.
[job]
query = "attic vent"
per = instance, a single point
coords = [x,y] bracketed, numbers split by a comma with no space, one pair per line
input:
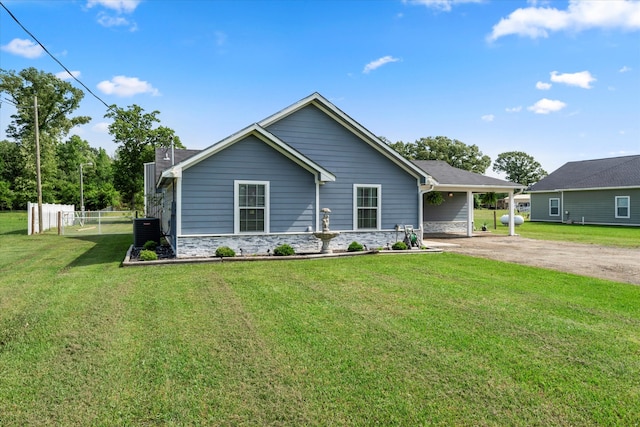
[145,229]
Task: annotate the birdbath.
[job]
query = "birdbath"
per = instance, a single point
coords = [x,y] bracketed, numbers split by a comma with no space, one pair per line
[325,235]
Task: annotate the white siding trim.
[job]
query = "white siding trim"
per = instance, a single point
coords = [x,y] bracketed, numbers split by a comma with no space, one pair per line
[178,182]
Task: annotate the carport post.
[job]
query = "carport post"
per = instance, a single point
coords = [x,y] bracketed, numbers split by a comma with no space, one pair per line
[469,213]
[512,211]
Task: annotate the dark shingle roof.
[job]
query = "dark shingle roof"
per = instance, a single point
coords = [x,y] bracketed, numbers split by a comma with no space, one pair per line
[179,155]
[446,174]
[599,173]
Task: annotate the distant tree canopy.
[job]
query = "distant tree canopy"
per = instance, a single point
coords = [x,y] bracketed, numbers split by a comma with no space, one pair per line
[138,137]
[519,167]
[454,152]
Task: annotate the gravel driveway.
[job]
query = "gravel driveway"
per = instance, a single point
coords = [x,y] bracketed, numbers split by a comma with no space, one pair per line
[617,264]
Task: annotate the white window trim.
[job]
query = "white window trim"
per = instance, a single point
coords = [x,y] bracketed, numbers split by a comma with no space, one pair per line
[355,206]
[628,215]
[236,207]
[554,198]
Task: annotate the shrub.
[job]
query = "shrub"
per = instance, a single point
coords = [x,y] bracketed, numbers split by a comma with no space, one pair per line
[355,247]
[399,246]
[284,250]
[150,245]
[225,251]
[147,255]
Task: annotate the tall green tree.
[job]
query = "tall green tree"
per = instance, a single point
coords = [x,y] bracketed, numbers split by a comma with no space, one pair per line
[519,167]
[137,135]
[454,152]
[57,100]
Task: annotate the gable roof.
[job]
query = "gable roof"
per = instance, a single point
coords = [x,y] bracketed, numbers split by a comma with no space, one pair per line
[451,178]
[164,161]
[613,172]
[356,128]
[265,136]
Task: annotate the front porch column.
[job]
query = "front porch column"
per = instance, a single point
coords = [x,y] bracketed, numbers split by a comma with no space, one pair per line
[469,214]
[512,210]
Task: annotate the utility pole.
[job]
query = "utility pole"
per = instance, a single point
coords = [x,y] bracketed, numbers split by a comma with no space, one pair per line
[38,177]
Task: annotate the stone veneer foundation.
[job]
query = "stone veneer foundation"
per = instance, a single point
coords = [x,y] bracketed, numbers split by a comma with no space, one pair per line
[259,244]
[444,227]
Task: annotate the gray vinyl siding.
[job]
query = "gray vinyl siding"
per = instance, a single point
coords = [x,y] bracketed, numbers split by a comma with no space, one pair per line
[598,206]
[452,208]
[208,189]
[352,161]
[590,206]
[540,207]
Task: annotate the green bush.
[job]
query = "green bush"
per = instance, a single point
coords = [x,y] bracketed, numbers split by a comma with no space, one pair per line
[355,247]
[225,251]
[147,255]
[284,250]
[399,246]
[150,245]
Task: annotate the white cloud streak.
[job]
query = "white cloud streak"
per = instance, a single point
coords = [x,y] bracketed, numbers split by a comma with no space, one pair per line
[625,69]
[441,5]
[582,79]
[546,106]
[535,22]
[379,63]
[120,6]
[488,118]
[514,109]
[63,75]
[543,86]
[124,86]
[24,48]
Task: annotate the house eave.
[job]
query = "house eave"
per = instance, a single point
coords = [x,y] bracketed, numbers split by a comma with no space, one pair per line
[559,190]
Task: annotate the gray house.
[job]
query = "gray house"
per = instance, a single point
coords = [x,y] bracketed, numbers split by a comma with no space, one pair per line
[268,183]
[600,191]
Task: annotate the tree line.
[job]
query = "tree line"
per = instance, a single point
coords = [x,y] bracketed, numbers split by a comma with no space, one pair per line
[107,181]
[118,181]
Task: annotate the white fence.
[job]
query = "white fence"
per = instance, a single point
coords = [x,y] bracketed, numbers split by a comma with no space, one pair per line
[50,216]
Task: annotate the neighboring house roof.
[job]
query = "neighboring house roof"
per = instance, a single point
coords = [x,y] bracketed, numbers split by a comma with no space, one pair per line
[451,178]
[265,136]
[614,172]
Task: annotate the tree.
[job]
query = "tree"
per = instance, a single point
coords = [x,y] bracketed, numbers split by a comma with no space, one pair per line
[454,152]
[57,100]
[134,131]
[519,167]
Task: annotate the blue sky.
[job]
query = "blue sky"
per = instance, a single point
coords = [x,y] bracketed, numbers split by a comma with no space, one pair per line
[559,80]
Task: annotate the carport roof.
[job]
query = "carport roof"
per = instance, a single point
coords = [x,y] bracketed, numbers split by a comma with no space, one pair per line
[452,178]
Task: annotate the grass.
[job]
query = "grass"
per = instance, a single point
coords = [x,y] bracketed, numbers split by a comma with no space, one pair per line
[628,237]
[434,339]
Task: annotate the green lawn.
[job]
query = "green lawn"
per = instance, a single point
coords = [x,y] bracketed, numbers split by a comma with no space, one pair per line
[590,234]
[389,340]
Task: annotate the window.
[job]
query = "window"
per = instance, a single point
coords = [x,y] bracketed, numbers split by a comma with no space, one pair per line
[367,206]
[622,207]
[554,207]
[251,207]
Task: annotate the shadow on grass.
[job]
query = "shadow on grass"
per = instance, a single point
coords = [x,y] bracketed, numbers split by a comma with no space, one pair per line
[22,232]
[107,249]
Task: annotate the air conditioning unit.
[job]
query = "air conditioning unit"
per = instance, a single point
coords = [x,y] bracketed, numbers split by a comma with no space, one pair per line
[145,229]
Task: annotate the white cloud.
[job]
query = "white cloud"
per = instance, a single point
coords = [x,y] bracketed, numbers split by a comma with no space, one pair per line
[24,48]
[582,79]
[580,15]
[514,109]
[379,63]
[543,86]
[488,117]
[101,127]
[625,69]
[443,5]
[546,106]
[120,6]
[126,86]
[63,75]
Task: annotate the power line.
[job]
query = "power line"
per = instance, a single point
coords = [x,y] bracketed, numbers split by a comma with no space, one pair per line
[54,58]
